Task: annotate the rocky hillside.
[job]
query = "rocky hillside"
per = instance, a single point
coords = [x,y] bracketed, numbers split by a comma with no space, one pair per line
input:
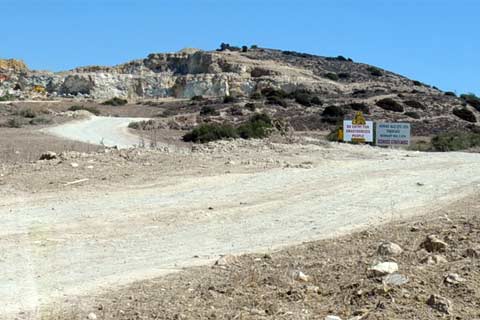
[320,89]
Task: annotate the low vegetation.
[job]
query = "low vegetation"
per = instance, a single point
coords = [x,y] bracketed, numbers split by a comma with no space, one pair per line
[92,110]
[465,114]
[7,97]
[472,100]
[115,102]
[360,107]
[209,111]
[414,104]
[257,127]
[390,105]
[456,141]
[332,76]
[375,71]
[333,114]
[413,114]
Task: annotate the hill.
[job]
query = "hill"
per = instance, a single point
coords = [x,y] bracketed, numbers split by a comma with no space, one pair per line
[312,92]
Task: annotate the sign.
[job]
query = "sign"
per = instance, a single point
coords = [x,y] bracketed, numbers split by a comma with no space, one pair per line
[393,134]
[357,132]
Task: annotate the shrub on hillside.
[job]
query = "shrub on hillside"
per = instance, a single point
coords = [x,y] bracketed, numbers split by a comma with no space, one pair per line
[472,100]
[412,114]
[414,104]
[465,114]
[115,102]
[276,100]
[250,106]
[360,107]
[7,97]
[344,75]
[390,105]
[455,141]
[210,132]
[257,127]
[197,98]
[333,114]
[303,99]
[235,111]
[256,96]
[316,101]
[40,120]
[26,113]
[450,93]
[209,111]
[332,76]
[375,71]
[92,110]
[417,83]
[229,99]
[271,92]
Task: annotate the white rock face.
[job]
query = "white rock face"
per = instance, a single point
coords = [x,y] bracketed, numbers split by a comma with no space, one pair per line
[182,75]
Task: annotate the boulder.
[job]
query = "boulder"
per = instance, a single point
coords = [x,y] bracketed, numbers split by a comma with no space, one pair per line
[433,244]
[384,268]
[440,304]
[389,249]
[49,155]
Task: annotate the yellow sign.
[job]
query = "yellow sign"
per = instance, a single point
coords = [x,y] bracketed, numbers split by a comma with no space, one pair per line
[359,118]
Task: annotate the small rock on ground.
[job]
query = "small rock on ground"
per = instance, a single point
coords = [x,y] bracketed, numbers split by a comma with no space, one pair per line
[384,268]
[389,249]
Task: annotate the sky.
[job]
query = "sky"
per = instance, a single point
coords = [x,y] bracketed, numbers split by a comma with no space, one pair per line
[433,41]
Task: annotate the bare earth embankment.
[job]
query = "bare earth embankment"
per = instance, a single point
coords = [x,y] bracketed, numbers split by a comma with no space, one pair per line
[182,209]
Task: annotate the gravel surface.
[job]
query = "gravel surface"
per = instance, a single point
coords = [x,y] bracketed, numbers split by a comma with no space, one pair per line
[74,241]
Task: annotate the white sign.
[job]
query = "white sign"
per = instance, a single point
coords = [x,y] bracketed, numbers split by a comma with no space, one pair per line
[357,132]
[393,134]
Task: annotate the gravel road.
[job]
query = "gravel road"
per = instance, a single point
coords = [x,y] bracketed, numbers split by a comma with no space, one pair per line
[76,241]
[109,131]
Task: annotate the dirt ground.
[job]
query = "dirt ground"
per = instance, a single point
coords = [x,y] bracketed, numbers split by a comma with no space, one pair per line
[338,280]
[85,231]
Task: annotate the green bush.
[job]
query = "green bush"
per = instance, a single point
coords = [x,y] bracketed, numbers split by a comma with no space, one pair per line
[92,110]
[455,141]
[333,114]
[414,104]
[390,105]
[229,99]
[332,76]
[412,114]
[115,102]
[256,96]
[145,125]
[450,93]
[316,101]
[271,92]
[344,75]
[375,71]
[303,99]
[26,113]
[417,83]
[209,111]
[7,97]
[472,100]
[465,114]
[40,120]
[210,132]
[360,107]
[251,106]
[14,123]
[276,100]
[197,98]
[257,127]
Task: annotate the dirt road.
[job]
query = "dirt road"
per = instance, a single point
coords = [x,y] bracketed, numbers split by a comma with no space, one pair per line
[71,242]
[109,131]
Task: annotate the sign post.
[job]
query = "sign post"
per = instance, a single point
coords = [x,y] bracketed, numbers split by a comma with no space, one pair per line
[393,134]
[358,129]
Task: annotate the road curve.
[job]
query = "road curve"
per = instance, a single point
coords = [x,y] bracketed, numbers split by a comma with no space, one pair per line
[108,131]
